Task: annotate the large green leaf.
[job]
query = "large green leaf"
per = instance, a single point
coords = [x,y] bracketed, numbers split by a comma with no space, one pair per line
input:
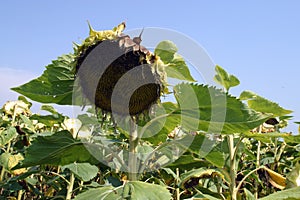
[7,135]
[84,171]
[177,68]
[103,193]
[289,194]
[141,190]
[293,178]
[225,79]
[261,104]
[134,190]
[55,85]
[215,156]
[48,120]
[188,162]
[58,149]
[294,139]
[162,124]
[210,109]
[156,127]
[267,137]
[175,65]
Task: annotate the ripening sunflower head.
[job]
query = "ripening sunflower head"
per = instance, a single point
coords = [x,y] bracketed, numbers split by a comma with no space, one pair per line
[117,74]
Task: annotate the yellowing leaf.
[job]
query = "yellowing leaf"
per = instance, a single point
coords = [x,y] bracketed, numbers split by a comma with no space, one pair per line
[8,161]
[19,171]
[277,180]
[7,135]
[50,192]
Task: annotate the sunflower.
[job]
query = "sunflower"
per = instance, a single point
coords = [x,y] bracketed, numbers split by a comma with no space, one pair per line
[117,74]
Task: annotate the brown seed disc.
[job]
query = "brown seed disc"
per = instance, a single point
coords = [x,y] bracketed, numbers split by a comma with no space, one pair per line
[115,76]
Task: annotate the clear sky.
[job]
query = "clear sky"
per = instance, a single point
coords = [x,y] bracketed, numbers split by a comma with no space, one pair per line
[258,41]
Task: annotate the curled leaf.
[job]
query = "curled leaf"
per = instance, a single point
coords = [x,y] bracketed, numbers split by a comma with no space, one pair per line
[276,179]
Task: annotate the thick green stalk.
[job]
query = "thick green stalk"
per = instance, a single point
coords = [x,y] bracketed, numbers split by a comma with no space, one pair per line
[133,142]
[177,189]
[2,174]
[277,157]
[70,187]
[72,177]
[233,166]
[258,161]
[20,194]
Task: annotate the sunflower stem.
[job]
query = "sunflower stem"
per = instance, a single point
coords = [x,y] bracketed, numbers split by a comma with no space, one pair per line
[2,174]
[233,165]
[257,162]
[70,186]
[133,142]
[72,176]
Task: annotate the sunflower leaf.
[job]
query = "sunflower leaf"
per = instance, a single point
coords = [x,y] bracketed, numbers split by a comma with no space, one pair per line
[209,109]
[225,79]
[161,125]
[55,85]
[175,65]
[58,149]
[131,190]
[261,104]
[293,193]
[7,135]
[84,171]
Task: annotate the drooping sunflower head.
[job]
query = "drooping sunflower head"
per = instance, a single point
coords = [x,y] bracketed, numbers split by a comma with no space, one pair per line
[117,74]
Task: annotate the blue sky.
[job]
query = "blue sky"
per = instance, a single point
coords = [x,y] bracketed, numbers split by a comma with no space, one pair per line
[258,41]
